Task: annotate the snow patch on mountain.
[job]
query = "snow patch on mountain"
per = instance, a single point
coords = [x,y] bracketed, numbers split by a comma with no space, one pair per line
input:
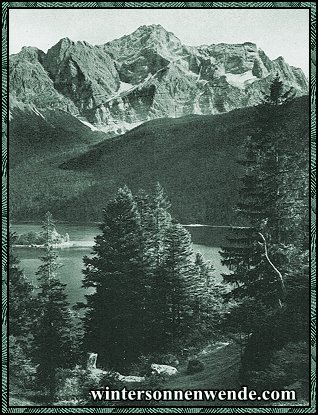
[240,80]
[124,86]
[118,128]
[84,121]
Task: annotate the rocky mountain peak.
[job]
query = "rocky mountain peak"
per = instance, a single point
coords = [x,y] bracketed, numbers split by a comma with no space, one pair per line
[152,37]
[147,74]
[151,28]
[148,30]
[156,31]
[62,51]
[30,54]
[65,41]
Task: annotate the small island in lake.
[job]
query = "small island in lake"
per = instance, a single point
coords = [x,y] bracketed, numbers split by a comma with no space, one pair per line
[39,239]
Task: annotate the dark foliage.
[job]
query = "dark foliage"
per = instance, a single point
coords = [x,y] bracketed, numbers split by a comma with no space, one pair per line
[149,292]
[195,366]
[21,299]
[195,158]
[268,258]
[53,331]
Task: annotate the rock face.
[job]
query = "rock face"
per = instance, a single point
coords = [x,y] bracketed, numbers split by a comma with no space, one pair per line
[30,84]
[145,75]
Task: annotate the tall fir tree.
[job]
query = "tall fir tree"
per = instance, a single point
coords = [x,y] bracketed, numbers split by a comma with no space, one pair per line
[53,343]
[261,255]
[208,296]
[114,322]
[20,320]
[272,203]
[177,283]
[155,221]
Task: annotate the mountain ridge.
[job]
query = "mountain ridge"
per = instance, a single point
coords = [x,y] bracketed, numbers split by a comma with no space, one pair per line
[145,75]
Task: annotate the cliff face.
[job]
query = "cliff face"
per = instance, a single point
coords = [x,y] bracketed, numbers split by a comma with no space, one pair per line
[146,75]
[30,84]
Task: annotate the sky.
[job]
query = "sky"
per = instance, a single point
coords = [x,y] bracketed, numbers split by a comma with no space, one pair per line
[279,32]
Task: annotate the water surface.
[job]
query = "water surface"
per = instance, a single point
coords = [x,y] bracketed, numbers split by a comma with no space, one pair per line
[71,259]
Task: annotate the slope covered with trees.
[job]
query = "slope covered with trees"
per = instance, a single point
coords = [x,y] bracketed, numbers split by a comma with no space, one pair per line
[194,158]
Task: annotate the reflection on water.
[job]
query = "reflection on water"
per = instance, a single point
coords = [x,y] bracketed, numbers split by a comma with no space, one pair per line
[71,259]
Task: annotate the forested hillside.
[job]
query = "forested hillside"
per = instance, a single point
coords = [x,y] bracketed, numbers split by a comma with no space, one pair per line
[195,158]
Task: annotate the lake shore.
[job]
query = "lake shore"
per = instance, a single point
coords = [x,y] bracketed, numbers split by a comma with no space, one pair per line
[63,245]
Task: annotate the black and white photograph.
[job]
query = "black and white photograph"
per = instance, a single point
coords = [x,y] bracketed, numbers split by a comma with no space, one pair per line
[158,207]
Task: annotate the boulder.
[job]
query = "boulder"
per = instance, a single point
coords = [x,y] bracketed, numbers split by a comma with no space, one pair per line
[163,369]
[136,379]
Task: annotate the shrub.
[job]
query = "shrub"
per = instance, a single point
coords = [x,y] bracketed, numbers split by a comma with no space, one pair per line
[31,238]
[74,386]
[195,366]
[21,368]
[142,367]
[168,359]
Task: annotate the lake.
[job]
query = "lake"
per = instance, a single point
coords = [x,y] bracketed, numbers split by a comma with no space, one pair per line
[206,241]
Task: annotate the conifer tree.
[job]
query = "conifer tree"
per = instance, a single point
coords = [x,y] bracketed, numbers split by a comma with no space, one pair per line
[161,221]
[155,221]
[114,321]
[178,279]
[278,94]
[21,318]
[270,292]
[53,344]
[21,300]
[272,206]
[261,202]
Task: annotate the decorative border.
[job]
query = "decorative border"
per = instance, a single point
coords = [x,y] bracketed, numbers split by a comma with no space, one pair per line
[10,5]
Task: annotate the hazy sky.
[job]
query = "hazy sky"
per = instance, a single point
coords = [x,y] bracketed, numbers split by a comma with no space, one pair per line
[279,32]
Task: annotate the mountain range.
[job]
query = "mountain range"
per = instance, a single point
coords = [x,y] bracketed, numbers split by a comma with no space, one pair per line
[85,120]
[145,75]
